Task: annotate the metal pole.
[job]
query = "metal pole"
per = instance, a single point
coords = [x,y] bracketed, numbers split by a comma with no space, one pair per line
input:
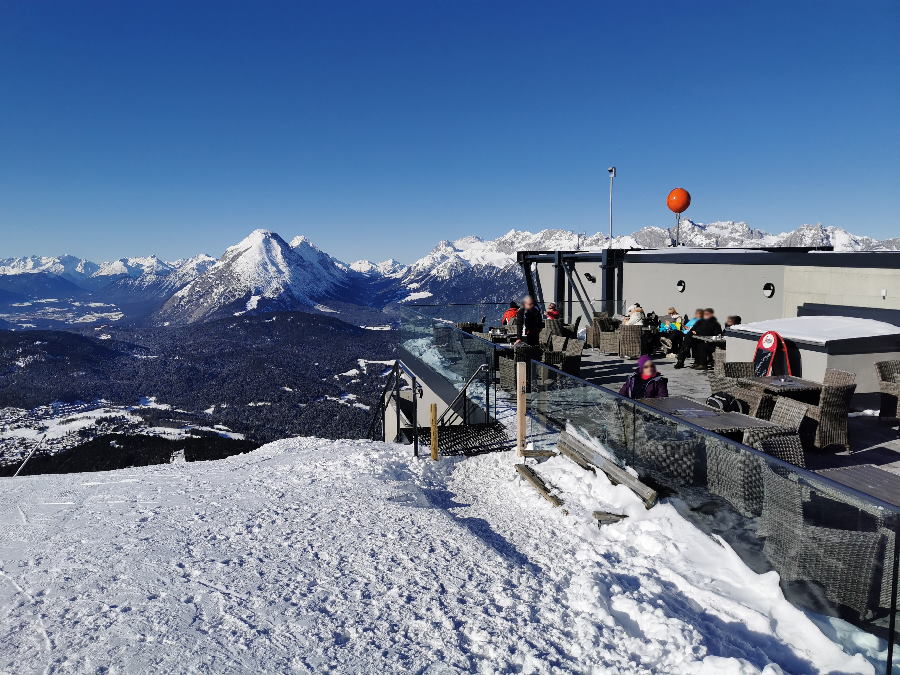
[677,228]
[33,450]
[397,398]
[892,621]
[415,391]
[612,175]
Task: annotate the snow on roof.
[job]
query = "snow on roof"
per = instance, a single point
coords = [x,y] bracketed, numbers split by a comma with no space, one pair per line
[694,249]
[822,329]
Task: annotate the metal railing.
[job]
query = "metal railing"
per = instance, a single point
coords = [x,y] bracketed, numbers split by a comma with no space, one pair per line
[394,385]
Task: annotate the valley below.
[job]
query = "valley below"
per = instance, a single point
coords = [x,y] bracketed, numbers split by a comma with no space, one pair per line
[114,396]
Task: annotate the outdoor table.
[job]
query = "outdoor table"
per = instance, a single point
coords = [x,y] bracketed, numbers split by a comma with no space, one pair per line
[707,417]
[717,340]
[869,479]
[789,386]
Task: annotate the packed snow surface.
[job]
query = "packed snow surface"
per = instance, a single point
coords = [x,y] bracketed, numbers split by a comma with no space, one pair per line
[350,556]
[822,329]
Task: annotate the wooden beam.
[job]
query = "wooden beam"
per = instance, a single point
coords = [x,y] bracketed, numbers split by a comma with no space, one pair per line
[539,453]
[434,431]
[528,474]
[607,518]
[570,445]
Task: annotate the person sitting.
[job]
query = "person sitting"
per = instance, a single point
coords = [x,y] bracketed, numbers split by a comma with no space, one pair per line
[672,312]
[510,313]
[552,312]
[690,323]
[645,382]
[529,323]
[733,320]
[670,335]
[636,316]
[708,326]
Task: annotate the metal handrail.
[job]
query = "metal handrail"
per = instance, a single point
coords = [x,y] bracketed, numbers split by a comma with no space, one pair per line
[461,392]
[393,382]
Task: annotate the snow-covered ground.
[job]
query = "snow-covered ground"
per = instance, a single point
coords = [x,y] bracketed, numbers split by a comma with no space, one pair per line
[349,556]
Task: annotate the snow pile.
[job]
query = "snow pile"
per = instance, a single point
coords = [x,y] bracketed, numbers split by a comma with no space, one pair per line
[349,556]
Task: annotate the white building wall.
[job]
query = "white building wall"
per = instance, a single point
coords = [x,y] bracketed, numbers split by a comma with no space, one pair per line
[857,287]
[729,289]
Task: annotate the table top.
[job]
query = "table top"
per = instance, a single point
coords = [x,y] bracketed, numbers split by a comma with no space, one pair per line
[868,478]
[777,384]
[705,416]
[710,338]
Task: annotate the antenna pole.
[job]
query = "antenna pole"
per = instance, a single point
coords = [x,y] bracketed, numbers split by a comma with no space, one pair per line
[612,175]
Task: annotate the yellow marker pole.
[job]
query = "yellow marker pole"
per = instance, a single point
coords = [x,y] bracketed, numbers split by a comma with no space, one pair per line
[434,432]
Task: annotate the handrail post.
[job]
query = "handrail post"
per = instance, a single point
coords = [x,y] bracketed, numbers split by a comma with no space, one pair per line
[415,392]
[397,398]
[521,387]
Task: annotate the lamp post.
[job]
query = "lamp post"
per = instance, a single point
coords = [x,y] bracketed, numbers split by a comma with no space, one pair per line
[612,175]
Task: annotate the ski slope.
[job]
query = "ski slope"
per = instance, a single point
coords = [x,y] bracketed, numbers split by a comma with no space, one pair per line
[309,555]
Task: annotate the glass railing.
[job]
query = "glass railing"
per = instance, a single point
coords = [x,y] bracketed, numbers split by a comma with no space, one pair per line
[833,547]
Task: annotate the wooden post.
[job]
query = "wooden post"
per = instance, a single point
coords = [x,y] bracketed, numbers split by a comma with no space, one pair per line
[521,387]
[434,432]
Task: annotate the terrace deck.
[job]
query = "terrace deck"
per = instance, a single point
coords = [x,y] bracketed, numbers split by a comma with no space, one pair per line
[872,441]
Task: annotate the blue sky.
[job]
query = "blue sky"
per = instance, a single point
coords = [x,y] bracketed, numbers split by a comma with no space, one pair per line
[379,128]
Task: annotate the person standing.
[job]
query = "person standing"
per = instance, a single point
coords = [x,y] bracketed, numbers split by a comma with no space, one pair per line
[529,323]
[510,313]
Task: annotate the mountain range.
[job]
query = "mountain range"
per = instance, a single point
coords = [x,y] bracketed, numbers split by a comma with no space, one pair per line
[264,272]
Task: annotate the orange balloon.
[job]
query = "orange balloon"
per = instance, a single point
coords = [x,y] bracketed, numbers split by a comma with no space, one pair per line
[678,200]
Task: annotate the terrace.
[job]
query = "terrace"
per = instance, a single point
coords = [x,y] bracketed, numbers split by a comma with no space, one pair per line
[827,530]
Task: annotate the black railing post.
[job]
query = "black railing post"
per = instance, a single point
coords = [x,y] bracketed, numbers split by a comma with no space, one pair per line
[415,421]
[397,398]
[892,620]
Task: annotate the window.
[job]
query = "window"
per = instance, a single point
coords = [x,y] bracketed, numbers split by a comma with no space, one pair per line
[680,286]
[768,289]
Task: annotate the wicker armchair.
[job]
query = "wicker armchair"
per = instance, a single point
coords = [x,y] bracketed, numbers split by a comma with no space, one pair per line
[556,353]
[889,381]
[508,361]
[829,419]
[843,562]
[838,378]
[782,441]
[629,341]
[571,362]
[758,403]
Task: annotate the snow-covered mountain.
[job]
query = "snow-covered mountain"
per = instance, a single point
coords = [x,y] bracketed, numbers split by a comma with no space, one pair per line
[265,272]
[261,273]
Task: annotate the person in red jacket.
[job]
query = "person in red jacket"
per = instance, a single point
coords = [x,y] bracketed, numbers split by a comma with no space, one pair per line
[510,314]
[552,312]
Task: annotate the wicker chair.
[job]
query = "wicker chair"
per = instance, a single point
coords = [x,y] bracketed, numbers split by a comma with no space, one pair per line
[888,373]
[470,326]
[736,476]
[843,562]
[629,341]
[758,403]
[829,419]
[571,362]
[507,365]
[556,353]
[838,378]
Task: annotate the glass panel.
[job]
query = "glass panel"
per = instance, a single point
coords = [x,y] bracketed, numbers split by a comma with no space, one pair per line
[832,547]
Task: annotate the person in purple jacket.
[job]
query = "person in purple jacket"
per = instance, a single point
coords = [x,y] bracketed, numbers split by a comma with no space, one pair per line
[645,382]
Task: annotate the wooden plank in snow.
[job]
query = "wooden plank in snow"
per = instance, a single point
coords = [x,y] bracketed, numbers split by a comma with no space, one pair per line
[588,457]
[607,518]
[528,474]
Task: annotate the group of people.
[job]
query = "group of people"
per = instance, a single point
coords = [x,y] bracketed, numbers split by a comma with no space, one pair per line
[678,335]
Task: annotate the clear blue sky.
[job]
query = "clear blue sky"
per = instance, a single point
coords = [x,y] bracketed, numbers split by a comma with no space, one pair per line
[378,128]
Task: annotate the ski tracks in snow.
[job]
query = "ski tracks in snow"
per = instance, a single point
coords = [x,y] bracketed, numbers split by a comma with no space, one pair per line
[310,555]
